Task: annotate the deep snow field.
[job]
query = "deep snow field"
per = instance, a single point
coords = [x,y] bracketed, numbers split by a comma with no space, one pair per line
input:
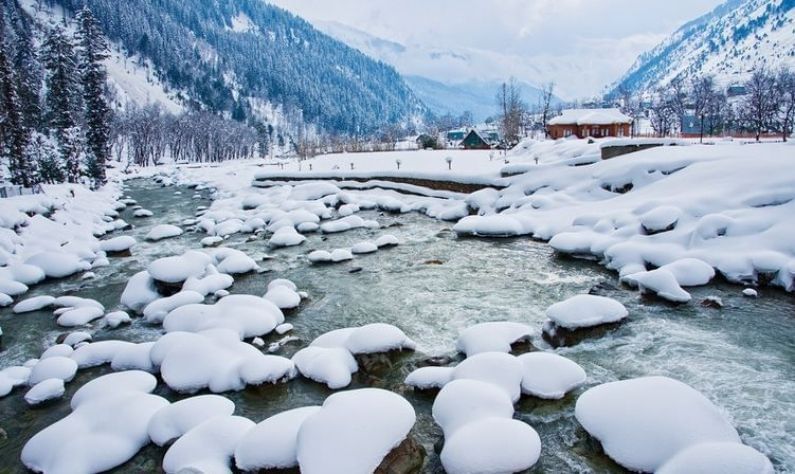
[340,327]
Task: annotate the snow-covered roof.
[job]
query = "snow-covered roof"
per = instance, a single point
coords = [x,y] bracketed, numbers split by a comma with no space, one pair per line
[590,117]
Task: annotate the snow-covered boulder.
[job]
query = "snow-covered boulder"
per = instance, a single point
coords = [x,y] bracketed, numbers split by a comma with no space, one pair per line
[660,219]
[58,264]
[366,424]
[718,458]
[234,262]
[280,434]
[691,271]
[179,268]
[34,304]
[500,369]
[427,378]
[332,366]
[117,244]
[660,282]
[286,237]
[387,240]
[283,297]
[364,248]
[320,256]
[88,440]
[163,231]
[499,225]
[209,284]
[584,311]
[367,339]
[98,353]
[216,360]
[341,255]
[139,292]
[492,337]
[142,213]
[79,316]
[176,419]
[491,446]
[209,447]
[46,390]
[548,375]
[157,310]
[12,377]
[247,315]
[57,367]
[463,401]
[313,191]
[115,319]
[642,423]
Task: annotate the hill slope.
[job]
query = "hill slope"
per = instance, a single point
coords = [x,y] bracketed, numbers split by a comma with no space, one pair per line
[729,43]
[243,57]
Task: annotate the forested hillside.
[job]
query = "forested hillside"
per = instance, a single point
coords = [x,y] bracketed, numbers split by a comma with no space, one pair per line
[236,56]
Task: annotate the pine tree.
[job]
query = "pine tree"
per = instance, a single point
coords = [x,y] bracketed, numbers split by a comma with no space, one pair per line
[93,50]
[61,101]
[14,135]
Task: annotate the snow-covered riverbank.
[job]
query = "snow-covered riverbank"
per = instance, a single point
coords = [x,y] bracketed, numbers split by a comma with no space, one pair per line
[323,236]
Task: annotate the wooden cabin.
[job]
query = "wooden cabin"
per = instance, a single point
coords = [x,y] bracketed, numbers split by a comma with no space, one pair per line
[584,123]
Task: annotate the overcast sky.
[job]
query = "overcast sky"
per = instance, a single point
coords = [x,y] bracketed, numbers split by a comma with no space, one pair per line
[603,37]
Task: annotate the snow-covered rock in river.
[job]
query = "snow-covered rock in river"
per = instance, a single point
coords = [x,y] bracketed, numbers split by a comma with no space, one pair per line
[718,458]
[216,360]
[548,375]
[58,264]
[88,440]
[12,377]
[332,366]
[157,310]
[367,424]
[46,390]
[179,268]
[320,256]
[79,316]
[283,297]
[660,282]
[643,423]
[57,367]
[364,248]
[139,292]
[286,237]
[176,419]
[341,255]
[163,231]
[34,304]
[280,434]
[117,244]
[584,311]
[249,316]
[208,447]
[492,337]
[387,240]
[491,446]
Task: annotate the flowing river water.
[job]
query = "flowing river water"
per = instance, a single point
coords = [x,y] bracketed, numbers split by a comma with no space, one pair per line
[742,357]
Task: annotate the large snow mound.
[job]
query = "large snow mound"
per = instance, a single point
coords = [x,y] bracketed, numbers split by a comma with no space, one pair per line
[583,311]
[644,422]
[353,431]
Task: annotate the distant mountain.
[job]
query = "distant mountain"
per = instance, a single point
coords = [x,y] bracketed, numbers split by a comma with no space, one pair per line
[247,58]
[729,43]
[446,80]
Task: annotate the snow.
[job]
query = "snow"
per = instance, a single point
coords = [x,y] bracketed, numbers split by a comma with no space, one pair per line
[282,282]
[248,316]
[584,311]
[426,378]
[115,319]
[57,367]
[234,262]
[156,311]
[98,353]
[62,350]
[718,458]
[463,401]
[117,244]
[642,423]
[208,447]
[367,339]
[141,213]
[550,376]
[163,231]
[387,240]
[139,292]
[210,284]
[660,218]
[590,117]
[88,440]
[489,226]
[341,255]
[312,191]
[320,256]
[12,377]
[353,431]
[79,316]
[284,328]
[283,297]
[46,390]
[177,269]
[286,237]
[34,304]
[216,360]
[131,381]
[364,248]
[750,293]
[331,366]
[491,445]
[174,420]
[660,282]
[500,369]
[492,337]
[56,264]
[280,434]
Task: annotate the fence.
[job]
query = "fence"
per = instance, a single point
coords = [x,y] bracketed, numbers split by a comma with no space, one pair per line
[10,191]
